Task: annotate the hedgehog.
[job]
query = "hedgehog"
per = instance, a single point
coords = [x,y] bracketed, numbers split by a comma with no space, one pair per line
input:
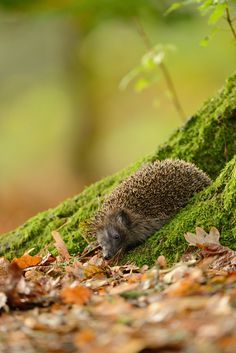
[144,202]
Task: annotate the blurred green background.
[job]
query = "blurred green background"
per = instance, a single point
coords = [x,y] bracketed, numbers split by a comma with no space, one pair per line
[64,123]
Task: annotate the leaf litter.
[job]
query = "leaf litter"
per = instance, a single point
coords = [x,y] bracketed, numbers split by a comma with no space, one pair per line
[84,304]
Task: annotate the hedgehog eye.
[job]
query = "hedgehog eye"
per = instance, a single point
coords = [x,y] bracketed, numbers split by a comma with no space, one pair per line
[116,236]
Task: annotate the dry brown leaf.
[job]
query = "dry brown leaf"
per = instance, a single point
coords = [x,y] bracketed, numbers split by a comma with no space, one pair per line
[176,273]
[161,261]
[60,245]
[184,287]
[214,236]
[3,300]
[201,237]
[27,261]
[4,265]
[92,271]
[84,337]
[34,275]
[96,260]
[224,258]
[227,343]
[123,287]
[134,277]
[75,295]
[111,308]
[132,345]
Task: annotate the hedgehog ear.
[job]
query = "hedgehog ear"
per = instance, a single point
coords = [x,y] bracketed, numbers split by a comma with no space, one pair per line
[123,218]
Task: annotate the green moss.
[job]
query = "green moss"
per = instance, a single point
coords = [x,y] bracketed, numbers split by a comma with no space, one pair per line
[207,139]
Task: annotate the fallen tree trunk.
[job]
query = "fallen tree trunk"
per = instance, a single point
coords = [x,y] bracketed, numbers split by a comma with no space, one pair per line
[208,139]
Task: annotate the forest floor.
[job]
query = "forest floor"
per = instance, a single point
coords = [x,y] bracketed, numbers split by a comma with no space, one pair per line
[85,304]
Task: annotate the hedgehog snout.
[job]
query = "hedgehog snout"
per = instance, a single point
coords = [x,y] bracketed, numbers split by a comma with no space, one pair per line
[105,243]
[108,251]
[106,255]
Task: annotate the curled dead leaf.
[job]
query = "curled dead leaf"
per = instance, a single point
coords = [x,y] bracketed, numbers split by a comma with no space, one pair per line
[84,337]
[75,295]
[27,261]
[92,271]
[60,245]
[184,287]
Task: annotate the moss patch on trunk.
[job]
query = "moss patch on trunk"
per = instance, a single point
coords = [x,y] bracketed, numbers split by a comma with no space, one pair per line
[208,139]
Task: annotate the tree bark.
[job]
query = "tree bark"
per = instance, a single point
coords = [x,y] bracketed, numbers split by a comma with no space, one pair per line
[208,139]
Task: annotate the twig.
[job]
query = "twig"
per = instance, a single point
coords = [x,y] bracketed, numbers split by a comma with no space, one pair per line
[172,89]
[85,238]
[164,70]
[143,34]
[93,247]
[63,225]
[230,22]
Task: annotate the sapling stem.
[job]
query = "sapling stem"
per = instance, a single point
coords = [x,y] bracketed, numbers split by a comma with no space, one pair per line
[230,22]
[166,74]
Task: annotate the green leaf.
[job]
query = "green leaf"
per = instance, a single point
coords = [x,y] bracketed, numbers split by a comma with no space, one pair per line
[129,77]
[147,62]
[141,84]
[173,7]
[145,74]
[159,57]
[205,41]
[217,13]
[207,4]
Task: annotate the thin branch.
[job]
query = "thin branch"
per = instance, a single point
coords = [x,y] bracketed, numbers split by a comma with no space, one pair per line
[172,89]
[164,70]
[143,34]
[230,22]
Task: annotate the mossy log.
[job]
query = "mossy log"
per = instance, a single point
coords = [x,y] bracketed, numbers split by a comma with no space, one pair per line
[208,139]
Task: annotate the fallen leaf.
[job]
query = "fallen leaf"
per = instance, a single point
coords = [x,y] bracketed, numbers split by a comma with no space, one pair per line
[123,287]
[3,300]
[4,266]
[27,261]
[34,275]
[94,271]
[75,295]
[161,261]
[111,309]
[169,307]
[176,274]
[227,344]
[221,257]
[185,287]
[84,337]
[224,258]
[214,235]
[201,237]
[60,245]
